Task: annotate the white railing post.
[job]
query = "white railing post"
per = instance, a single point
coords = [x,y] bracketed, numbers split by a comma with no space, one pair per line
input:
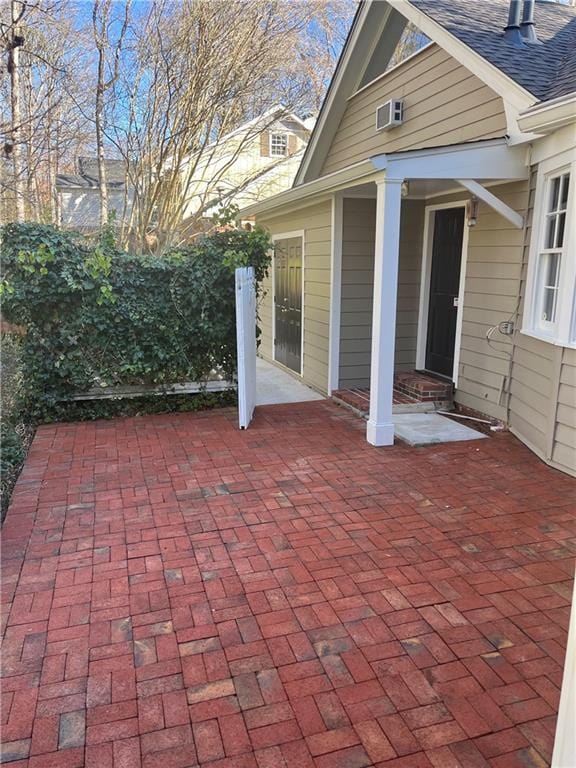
[380,429]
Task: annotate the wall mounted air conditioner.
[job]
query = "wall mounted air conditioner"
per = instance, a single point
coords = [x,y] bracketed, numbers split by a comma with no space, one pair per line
[390,114]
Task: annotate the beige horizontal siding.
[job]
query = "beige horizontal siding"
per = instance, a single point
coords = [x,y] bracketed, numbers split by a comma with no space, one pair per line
[564,442]
[359,220]
[358,233]
[315,221]
[531,383]
[444,104]
[493,268]
[542,408]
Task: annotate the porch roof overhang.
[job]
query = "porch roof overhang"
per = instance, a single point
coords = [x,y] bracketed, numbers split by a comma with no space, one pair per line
[480,161]
[352,175]
[466,164]
[492,160]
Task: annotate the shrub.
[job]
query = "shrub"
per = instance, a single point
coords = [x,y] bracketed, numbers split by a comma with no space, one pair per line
[99,317]
[15,436]
[12,450]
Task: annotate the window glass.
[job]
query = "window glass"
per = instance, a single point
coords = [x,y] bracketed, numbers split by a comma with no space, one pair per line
[552,270]
[278,144]
[411,40]
[551,255]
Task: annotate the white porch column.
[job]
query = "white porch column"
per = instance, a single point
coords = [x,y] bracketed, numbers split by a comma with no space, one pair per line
[335,292]
[380,429]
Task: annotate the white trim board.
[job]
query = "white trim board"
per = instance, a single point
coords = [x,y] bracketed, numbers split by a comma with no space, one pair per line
[427,243]
[288,236]
[337,232]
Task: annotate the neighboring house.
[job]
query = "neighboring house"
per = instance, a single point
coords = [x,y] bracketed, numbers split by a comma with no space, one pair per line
[258,159]
[440,237]
[79,193]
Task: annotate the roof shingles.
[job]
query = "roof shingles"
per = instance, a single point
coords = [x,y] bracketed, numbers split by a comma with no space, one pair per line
[546,70]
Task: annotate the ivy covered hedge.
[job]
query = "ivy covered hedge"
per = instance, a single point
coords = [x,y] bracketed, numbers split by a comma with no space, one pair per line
[99,317]
[15,435]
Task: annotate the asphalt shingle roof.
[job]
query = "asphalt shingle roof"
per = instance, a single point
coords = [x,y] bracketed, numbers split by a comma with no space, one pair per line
[547,70]
[89,177]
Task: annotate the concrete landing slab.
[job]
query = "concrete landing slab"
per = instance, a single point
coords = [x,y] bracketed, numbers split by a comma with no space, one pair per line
[275,386]
[430,428]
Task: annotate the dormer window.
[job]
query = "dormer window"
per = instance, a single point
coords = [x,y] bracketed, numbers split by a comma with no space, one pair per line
[278,144]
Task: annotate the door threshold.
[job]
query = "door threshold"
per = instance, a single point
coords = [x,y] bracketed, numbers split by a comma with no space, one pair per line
[283,367]
[435,375]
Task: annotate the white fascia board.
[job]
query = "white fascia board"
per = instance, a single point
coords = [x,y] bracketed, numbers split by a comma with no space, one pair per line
[549,116]
[319,135]
[494,78]
[352,175]
[479,160]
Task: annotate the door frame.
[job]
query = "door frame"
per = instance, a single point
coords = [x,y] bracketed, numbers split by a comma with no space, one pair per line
[427,244]
[287,236]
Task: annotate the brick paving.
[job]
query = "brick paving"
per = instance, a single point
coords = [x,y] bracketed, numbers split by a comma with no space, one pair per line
[180,593]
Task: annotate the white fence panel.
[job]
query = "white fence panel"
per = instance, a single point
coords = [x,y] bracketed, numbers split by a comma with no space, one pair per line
[564,755]
[246,344]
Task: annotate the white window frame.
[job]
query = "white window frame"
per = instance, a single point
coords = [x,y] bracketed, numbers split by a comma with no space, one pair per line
[563,330]
[285,138]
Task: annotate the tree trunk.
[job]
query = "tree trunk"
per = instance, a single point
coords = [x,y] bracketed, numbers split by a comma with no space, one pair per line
[99,117]
[17,154]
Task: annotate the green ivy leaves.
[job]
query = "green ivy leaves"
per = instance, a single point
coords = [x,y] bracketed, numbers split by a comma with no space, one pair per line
[96,316]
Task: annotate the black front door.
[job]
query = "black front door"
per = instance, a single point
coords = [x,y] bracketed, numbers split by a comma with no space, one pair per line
[288,302]
[444,289]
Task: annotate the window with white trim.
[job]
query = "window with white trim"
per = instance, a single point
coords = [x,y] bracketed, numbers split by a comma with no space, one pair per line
[278,144]
[551,252]
[551,289]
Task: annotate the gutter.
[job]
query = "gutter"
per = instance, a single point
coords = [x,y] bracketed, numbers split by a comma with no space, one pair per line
[548,116]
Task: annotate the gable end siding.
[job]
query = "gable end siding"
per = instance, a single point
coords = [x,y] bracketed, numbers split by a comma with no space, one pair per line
[444,104]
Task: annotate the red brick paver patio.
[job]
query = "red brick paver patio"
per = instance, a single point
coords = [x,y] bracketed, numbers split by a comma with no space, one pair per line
[186,594]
